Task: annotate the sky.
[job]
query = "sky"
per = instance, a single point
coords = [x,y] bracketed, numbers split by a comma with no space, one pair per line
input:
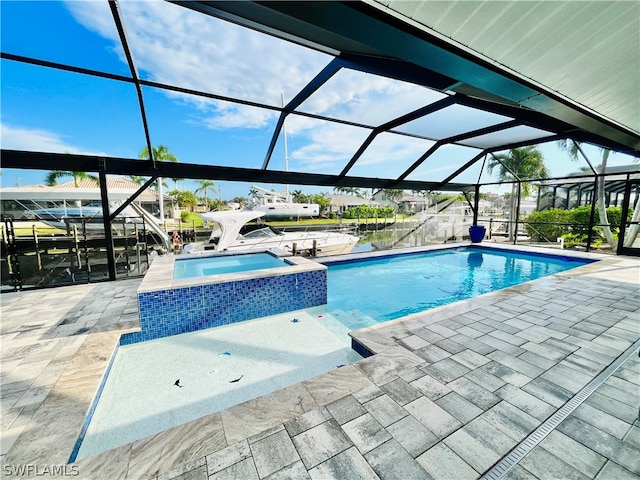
[54,111]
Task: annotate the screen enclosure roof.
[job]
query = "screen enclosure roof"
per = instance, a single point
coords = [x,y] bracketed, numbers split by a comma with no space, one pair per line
[376,94]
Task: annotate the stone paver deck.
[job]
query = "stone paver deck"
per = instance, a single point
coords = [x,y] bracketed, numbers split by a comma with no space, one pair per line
[448,393]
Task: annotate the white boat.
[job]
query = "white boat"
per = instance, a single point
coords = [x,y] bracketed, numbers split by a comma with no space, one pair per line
[56,216]
[89,217]
[281,205]
[231,233]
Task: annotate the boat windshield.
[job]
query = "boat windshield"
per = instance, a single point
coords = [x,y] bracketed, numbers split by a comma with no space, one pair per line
[260,233]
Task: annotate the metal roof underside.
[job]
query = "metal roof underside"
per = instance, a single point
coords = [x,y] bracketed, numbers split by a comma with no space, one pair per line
[586,52]
[541,69]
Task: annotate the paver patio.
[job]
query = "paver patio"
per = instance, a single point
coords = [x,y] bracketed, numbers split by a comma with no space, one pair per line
[447,394]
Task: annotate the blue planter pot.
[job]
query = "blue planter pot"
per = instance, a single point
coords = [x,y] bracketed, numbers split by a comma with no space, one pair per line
[476,233]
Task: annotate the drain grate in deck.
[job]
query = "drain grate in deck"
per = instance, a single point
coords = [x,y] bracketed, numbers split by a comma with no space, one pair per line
[514,457]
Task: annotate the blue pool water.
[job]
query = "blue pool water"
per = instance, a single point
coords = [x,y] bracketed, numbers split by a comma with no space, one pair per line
[394,286]
[215,265]
[139,396]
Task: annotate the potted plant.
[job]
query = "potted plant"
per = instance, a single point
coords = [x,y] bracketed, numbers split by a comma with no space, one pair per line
[476,233]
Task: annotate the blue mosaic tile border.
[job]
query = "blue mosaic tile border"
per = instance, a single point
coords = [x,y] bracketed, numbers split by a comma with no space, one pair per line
[173,311]
[361,349]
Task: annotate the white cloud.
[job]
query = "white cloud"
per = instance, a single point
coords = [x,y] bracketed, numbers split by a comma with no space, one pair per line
[238,116]
[369,99]
[394,148]
[96,16]
[20,138]
[174,45]
[177,46]
[329,147]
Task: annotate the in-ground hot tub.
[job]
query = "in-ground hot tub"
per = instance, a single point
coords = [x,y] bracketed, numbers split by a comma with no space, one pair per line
[203,266]
[225,288]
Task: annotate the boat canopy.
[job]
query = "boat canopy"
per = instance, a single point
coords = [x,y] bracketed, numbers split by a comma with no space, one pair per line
[227,225]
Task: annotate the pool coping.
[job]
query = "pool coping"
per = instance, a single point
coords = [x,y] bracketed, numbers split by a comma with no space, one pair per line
[449,246]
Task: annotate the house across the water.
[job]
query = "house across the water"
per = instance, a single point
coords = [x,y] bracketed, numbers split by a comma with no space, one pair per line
[19,203]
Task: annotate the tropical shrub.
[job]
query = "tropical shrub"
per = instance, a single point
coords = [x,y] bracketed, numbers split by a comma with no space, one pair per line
[614,215]
[368,211]
[571,224]
[187,199]
[548,225]
[573,239]
[580,217]
[322,201]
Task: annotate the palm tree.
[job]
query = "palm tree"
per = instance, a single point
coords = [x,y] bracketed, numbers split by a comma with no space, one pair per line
[299,196]
[348,191]
[137,178]
[630,237]
[217,204]
[241,200]
[161,154]
[187,199]
[53,176]
[572,149]
[518,164]
[393,194]
[322,199]
[175,183]
[205,185]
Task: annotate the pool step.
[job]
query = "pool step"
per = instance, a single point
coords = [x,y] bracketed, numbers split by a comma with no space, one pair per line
[354,319]
[324,318]
[334,325]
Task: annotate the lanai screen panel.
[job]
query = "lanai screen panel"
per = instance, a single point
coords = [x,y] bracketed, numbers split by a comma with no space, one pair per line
[515,135]
[68,40]
[64,112]
[317,146]
[389,155]
[213,92]
[368,99]
[177,46]
[443,163]
[450,121]
[201,131]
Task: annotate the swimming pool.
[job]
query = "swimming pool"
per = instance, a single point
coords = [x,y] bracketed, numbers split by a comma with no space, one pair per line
[221,264]
[374,290]
[286,348]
